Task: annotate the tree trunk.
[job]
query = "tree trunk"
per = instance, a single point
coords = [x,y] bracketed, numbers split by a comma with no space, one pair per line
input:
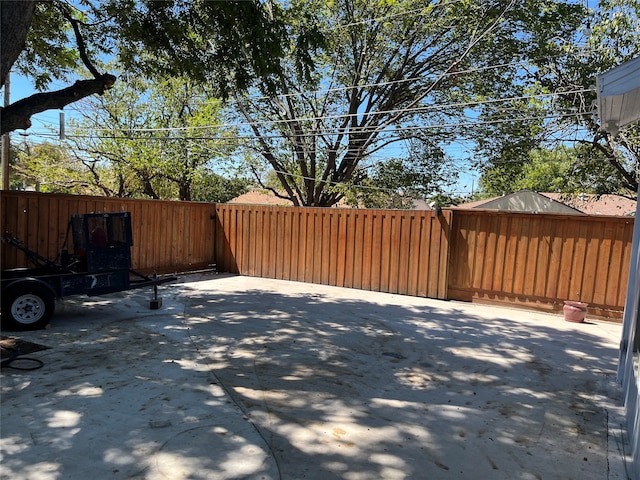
[15,21]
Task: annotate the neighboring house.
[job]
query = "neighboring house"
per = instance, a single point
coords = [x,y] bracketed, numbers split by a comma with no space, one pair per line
[260,197]
[419,204]
[608,204]
[266,197]
[570,204]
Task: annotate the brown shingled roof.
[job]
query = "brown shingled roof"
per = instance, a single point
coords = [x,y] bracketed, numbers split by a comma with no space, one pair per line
[608,204]
[590,204]
[260,197]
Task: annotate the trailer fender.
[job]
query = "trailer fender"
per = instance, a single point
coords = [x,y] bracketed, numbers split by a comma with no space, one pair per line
[29,281]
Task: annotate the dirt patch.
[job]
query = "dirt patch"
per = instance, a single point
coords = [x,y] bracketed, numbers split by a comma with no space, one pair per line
[11,347]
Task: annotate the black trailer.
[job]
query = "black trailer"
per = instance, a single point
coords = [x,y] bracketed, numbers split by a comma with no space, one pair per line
[98,263]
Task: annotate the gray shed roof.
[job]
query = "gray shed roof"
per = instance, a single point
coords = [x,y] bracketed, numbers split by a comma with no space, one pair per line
[524,201]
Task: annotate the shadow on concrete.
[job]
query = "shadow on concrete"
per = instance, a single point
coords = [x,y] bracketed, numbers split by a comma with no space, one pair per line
[252,378]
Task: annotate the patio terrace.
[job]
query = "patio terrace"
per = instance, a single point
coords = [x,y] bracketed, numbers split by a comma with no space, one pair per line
[239,377]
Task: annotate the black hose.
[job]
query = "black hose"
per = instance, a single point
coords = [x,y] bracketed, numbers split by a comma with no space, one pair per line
[17,356]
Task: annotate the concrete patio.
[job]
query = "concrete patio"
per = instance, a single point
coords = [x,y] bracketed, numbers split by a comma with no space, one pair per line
[250,378]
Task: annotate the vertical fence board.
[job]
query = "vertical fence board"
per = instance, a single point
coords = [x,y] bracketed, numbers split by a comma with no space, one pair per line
[40,222]
[577,264]
[366,250]
[286,244]
[624,272]
[309,245]
[404,252]
[615,264]
[358,233]
[295,242]
[499,253]
[594,244]
[394,252]
[532,257]
[347,256]
[479,256]
[279,218]
[317,246]
[541,259]
[555,252]
[542,266]
[489,263]
[444,223]
[376,242]
[535,260]
[438,259]
[426,253]
[385,254]
[414,255]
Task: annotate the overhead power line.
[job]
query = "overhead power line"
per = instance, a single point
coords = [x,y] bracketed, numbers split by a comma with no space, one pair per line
[416,110]
[125,134]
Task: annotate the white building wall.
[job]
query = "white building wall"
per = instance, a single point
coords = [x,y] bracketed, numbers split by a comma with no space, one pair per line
[629,366]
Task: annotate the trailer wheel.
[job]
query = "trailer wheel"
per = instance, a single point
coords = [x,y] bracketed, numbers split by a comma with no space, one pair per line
[27,307]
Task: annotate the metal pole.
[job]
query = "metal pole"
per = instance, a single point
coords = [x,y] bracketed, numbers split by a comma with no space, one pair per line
[6,139]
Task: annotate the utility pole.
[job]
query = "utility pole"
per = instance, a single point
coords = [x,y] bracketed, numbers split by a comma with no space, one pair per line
[6,139]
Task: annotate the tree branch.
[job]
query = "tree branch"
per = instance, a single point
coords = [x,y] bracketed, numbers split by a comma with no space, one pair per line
[18,114]
[82,48]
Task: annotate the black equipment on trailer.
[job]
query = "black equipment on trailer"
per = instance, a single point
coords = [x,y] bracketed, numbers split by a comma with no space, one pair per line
[99,263]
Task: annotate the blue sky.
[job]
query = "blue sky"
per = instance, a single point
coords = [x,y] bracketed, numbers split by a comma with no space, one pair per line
[45,127]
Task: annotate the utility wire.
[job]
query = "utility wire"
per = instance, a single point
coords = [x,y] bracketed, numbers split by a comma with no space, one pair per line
[417,110]
[125,136]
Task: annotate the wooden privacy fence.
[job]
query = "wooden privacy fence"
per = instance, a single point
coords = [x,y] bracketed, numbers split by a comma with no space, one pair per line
[539,260]
[533,260]
[381,250]
[167,236]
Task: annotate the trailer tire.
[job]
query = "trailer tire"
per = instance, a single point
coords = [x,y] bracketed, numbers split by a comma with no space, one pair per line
[27,306]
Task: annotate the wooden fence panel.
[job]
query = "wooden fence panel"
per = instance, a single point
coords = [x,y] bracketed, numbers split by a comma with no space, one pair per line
[167,236]
[365,249]
[540,260]
[534,260]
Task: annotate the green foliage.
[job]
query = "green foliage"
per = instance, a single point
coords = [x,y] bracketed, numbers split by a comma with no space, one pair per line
[501,178]
[211,187]
[603,38]
[381,69]
[563,169]
[225,44]
[51,169]
[155,140]
[547,171]
[446,200]
[50,52]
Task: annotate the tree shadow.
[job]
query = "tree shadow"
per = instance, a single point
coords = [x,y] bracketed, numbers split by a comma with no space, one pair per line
[261,383]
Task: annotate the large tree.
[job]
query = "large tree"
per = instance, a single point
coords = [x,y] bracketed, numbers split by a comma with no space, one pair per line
[384,73]
[224,43]
[157,140]
[559,109]
[563,169]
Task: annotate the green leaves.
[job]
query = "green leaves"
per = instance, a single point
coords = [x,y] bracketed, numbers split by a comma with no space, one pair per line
[223,44]
[563,67]
[158,140]
[49,53]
